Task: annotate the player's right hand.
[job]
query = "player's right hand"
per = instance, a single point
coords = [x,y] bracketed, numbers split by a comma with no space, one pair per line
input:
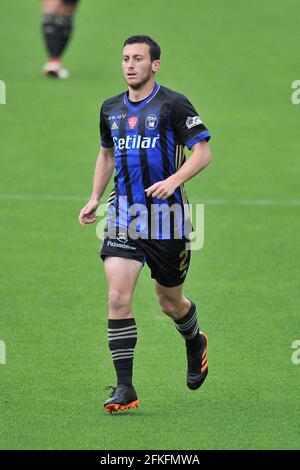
[87,214]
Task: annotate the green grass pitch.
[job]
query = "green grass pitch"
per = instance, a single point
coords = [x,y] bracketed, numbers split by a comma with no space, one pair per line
[236,61]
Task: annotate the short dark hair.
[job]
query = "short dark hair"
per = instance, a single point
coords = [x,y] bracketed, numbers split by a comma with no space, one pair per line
[139,39]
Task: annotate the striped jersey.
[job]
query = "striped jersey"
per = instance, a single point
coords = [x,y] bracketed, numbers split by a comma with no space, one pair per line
[148,138]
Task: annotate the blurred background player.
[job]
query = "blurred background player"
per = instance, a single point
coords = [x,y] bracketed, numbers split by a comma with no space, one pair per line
[57,25]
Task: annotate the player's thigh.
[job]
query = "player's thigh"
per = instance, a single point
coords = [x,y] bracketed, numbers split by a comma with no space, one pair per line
[122,274]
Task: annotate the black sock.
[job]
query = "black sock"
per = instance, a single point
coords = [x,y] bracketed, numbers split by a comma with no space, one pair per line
[57,30]
[189,329]
[122,338]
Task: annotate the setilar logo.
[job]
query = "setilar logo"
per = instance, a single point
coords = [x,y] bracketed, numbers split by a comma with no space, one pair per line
[135,142]
[132,121]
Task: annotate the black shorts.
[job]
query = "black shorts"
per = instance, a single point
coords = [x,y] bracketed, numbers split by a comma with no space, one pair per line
[168,260]
[70,2]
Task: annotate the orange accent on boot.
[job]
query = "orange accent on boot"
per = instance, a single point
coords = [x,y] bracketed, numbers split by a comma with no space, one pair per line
[115,407]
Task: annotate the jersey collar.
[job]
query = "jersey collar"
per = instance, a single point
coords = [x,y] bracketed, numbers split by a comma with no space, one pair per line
[144,102]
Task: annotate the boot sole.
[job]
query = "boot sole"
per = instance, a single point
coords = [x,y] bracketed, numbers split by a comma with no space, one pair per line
[116,407]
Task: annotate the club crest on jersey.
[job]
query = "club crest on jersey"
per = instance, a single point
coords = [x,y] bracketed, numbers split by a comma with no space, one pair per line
[193,121]
[151,122]
[132,121]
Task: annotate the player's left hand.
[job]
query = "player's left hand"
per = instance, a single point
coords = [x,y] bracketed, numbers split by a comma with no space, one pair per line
[161,189]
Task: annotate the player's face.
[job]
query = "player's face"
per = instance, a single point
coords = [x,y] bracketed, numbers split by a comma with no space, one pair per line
[137,66]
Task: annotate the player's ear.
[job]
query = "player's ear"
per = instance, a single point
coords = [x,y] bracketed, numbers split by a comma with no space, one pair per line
[155,65]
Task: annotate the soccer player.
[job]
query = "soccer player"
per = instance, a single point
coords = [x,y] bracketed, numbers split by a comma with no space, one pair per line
[143,133]
[57,25]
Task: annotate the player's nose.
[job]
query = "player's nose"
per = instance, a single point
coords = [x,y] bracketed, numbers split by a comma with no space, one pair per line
[130,62]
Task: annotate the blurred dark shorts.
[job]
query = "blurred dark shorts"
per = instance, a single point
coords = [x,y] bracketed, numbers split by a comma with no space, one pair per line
[70,2]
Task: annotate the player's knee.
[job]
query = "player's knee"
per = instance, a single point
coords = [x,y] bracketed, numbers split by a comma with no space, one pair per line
[52,6]
[58,7]
[119,301]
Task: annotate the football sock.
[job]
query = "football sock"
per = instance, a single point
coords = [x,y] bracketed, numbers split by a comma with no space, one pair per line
[189,329]
[57,30]
[122,338]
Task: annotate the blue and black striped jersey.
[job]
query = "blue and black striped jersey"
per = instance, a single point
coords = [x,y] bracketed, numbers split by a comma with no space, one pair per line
[148,141]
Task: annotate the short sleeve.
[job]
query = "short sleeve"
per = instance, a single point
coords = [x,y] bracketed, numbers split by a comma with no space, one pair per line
[105,134]
[187,123]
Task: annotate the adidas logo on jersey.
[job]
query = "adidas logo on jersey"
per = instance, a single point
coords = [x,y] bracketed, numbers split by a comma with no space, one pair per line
[114,126]
[135,142]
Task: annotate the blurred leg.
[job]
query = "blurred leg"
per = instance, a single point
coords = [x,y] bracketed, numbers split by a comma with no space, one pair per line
[57,26]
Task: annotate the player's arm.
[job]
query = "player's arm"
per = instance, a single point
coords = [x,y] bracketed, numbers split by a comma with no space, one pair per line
[192,133]
[199,159]
[103,172]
